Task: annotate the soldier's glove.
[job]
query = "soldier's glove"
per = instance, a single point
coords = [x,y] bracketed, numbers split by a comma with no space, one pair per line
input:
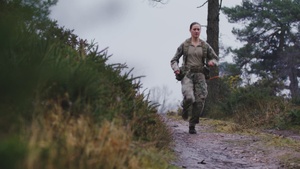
[179,75]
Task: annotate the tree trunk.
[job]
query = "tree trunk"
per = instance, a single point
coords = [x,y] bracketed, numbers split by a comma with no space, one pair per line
[213,39]
[294,88]
[213,25]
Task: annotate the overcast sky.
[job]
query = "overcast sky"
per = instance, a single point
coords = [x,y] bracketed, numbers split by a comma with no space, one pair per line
[142,35]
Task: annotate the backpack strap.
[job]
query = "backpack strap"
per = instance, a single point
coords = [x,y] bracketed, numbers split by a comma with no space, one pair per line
[185,50]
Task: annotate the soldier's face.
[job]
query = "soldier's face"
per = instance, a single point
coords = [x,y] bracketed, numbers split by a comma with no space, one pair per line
[195,31]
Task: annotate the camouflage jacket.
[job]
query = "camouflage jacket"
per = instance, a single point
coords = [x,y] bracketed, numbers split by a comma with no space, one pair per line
[206,55]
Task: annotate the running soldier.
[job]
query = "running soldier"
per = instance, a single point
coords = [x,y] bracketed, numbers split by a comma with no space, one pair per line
[196,54]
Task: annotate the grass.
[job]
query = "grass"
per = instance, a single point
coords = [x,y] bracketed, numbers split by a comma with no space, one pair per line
[62,106]
[288,148]
[57,140]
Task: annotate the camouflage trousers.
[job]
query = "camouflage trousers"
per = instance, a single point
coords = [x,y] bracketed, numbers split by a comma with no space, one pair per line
[194,91]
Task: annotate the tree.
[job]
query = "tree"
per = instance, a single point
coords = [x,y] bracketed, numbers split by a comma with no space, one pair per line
[271,38]
[212,32]
[213,39]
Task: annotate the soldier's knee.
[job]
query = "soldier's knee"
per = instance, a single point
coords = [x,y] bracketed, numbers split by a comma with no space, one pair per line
[189,100]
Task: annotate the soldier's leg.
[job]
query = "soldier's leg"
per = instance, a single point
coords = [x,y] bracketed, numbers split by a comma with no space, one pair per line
[186,108]
[197,109]
[200,93]
[187,89]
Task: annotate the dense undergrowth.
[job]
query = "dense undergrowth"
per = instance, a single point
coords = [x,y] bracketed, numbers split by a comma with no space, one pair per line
[63,106]
[255,106]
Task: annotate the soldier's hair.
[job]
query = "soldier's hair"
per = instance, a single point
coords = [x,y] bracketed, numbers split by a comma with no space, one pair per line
[194,23]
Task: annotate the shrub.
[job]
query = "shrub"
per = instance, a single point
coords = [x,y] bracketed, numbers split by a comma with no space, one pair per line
[12,152]
[254,106]
[72,108]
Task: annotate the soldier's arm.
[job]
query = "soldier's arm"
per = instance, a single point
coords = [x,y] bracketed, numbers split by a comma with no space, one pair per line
[213,59]
[175,59]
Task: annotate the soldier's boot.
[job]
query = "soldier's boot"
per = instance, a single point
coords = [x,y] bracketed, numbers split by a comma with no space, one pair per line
[192,130]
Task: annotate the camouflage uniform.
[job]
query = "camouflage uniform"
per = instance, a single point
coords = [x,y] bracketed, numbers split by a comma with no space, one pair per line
[194,87]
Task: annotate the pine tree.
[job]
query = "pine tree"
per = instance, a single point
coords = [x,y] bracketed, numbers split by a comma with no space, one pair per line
[213,39]
[271,39]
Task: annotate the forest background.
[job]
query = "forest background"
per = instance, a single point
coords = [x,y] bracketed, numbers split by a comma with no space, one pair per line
[64,106]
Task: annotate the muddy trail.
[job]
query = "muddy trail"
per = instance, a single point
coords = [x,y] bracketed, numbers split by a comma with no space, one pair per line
[212,149]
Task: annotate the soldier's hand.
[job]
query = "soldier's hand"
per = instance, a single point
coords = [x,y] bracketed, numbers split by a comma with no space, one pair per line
[211,63]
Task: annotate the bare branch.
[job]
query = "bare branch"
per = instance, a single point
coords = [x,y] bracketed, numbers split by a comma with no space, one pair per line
[203,4]
[154,2]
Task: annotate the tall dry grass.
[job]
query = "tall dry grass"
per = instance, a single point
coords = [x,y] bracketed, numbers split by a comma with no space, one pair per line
[58,140]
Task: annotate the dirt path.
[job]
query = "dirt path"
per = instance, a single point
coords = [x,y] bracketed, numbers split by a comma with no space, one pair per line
[210,149]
